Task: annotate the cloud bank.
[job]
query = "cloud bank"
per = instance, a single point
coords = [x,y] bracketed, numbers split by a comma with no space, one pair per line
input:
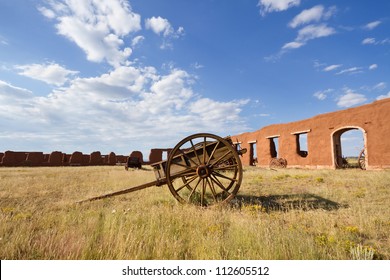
[131,106]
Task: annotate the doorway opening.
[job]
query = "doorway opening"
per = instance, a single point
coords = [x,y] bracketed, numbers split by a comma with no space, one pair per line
[349,148]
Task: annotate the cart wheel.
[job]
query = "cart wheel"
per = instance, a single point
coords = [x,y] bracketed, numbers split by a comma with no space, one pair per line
[362,160]
[204,169]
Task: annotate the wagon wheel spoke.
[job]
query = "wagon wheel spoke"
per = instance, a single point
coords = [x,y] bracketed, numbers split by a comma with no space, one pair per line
[187,183]
[217,174]
[211,185]
[212,153]
[194,189]
[193,148]
[218,161]
[202,196]
[190,176]
[204,149]
[187,157]
[234,170]
[215,180]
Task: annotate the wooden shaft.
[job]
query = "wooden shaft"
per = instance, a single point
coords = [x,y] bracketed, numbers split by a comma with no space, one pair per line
[128,190]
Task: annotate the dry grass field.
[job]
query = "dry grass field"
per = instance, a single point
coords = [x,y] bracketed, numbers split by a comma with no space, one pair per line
[283,214]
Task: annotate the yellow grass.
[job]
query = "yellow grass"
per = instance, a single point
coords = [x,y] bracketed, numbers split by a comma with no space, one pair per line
[283,214]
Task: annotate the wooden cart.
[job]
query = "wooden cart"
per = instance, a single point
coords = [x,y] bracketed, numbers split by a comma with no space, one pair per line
[203,169]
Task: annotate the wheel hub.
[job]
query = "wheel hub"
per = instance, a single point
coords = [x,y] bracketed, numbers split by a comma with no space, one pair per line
[203,171]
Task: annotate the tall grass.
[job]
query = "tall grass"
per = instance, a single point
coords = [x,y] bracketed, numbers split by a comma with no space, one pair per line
[284,214]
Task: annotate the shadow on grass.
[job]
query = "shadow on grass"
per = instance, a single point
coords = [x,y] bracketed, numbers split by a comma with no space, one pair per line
[305,202]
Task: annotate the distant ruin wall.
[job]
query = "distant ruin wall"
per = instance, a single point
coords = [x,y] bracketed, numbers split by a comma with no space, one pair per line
[138,155]
[157,155]
[95,159]
[57,158]
[323,134]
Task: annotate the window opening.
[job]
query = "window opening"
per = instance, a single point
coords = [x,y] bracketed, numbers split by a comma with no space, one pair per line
[302,149]
[252,154]
[164,155]
[274,146]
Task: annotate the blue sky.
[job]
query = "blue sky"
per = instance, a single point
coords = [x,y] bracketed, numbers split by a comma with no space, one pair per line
[118,75]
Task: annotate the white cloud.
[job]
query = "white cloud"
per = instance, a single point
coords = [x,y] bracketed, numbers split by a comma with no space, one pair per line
[322,95]
[268,6]
[369,41]
[162,26]
[314,31]
[350,98]
[212,111]
[180,31]
[197,65]
[332,67]
[373,41]
[314,14]
[380,97]
[14,103]
[373,66]
[380,86]
[308,33]
[3,41]
[372,25]
[137,40]
[352,70]
[293,45]
[306,16]
[52,73]
[12,92]
[47,12]
[159,26]
[385,41]
[97,27]
[318,64]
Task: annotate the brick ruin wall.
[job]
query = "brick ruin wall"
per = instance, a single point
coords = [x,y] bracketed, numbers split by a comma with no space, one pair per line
[57,158]
[323,134]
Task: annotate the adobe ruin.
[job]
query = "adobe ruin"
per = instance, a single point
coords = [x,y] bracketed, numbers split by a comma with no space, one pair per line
[323,133]
[57,158]
[157,155]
